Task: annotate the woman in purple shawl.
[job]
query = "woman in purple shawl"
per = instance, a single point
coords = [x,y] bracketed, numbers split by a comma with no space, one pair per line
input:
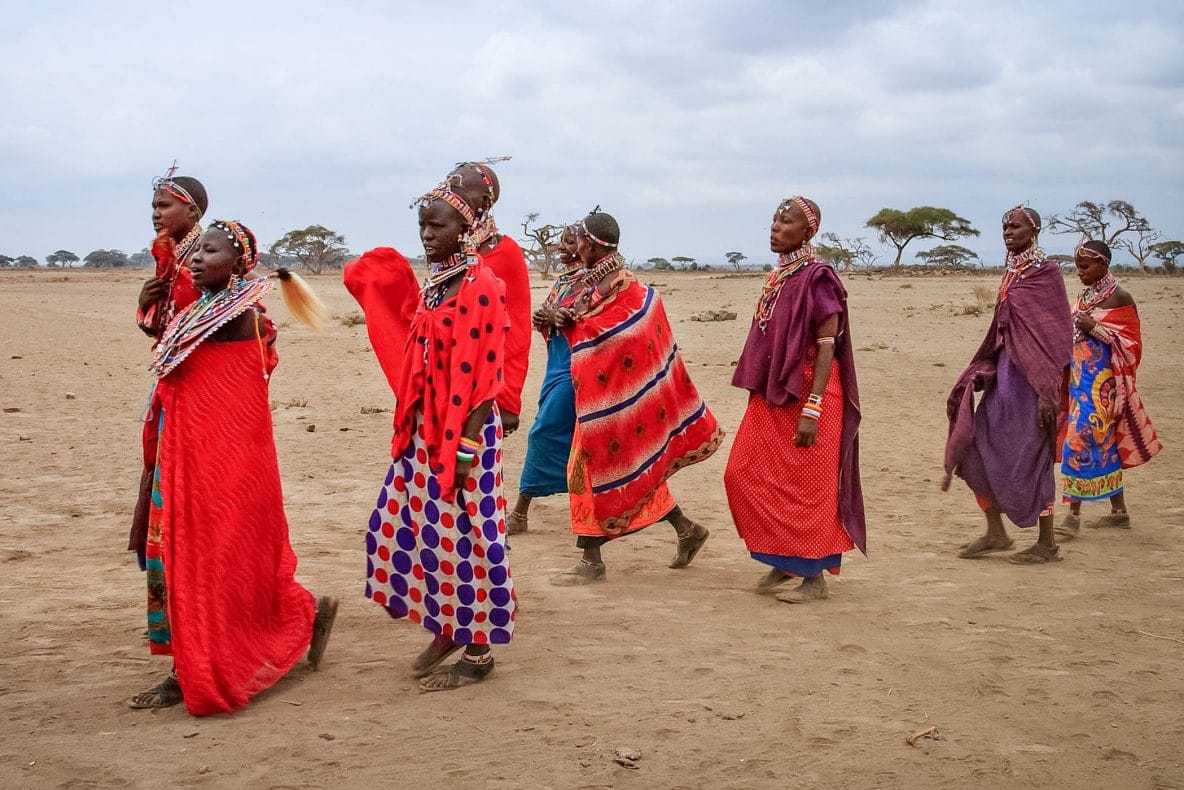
[793,476]
[1004,447]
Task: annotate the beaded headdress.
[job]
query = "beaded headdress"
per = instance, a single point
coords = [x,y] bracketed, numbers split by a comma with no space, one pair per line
[1082,249]
[1028,215]
[808,208]
[242,238]
[581,229]
[167,183]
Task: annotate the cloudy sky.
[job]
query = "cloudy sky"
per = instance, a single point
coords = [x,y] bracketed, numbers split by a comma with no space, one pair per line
[688,120]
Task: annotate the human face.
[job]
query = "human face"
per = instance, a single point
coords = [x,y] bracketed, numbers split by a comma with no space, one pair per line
[1018,232]
[215,261]
[588,251]
[1090,268]
[440,229]
[789,231]
[567,248]
[172,215]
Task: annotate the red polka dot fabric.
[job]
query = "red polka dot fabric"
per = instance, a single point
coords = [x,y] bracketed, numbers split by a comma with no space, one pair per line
[785,499]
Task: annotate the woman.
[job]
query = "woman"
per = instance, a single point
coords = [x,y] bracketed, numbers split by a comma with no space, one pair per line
[435,547]
[793,476]
[178,204]
[1108,429]
[222,600]
[1003,446]
[549,443]
[639,418]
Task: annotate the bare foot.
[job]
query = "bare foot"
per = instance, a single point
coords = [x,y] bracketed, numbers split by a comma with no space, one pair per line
[516,523]
[440,648]
[984,545]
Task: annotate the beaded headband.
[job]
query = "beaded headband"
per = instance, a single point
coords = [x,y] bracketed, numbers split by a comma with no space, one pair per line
[242,238]
[581,228]
[1091,253]
[806,208]
[443,191]
[1027,215]
[167,183]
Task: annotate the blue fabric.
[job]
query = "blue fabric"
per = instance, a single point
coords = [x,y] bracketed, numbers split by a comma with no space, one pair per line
[549,443]
[800,566]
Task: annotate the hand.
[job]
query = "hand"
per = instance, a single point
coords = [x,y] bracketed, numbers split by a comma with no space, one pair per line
[463,470]
[1084,322]
[154,291]
[564,316]
[542,317]
[807,432]
[1046,415]
[509,422]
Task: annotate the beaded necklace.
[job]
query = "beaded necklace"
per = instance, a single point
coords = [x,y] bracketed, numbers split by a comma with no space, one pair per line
[201,319]
[566,284]
[1018,265]
[1091,296]
[788,265]
[442,274]
[609,264]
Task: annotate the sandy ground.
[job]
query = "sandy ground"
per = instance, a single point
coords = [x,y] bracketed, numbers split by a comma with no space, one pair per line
[1059,676]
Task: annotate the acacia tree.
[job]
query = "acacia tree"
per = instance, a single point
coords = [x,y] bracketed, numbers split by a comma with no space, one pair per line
[735,258]
[99,259]
[316,247]
[543,252]
[1168,252]
[661,264]
[948,255]
[1109,222]
[685,262]
[5,261]
[832,249]
[61,258]
[899,228]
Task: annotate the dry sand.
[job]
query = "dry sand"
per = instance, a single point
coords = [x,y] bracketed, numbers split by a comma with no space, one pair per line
[1058,676]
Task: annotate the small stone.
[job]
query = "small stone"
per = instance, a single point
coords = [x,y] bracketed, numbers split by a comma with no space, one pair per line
[327,736]
[70,396]
[311,428]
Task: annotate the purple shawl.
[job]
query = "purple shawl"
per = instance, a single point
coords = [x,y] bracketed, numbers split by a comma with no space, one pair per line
[1035,327]
[771,366]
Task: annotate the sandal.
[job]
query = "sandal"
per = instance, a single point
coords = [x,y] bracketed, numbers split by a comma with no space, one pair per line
[772,580]
[516,523]
[583,573]
[1036,554]
[463,673]
[322,626]
[1116,520]
[689,546]
[968,552]
[1068,528]
[164,694]
[426,666]
[808,591]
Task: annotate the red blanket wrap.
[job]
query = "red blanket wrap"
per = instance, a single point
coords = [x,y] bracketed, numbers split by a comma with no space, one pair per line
[239,619]
[452,363]
[641,418]
[384,286]
[1137,441]
[508,264]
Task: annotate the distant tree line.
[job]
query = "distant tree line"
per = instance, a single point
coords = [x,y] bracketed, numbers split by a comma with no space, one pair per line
[317,249]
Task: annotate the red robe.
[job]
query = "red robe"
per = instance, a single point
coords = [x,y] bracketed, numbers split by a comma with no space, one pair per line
[385,287]
[238,617]
[508,264]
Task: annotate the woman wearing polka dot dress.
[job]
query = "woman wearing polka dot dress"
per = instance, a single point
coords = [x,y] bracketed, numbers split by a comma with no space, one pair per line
[435,546]
[793,475]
